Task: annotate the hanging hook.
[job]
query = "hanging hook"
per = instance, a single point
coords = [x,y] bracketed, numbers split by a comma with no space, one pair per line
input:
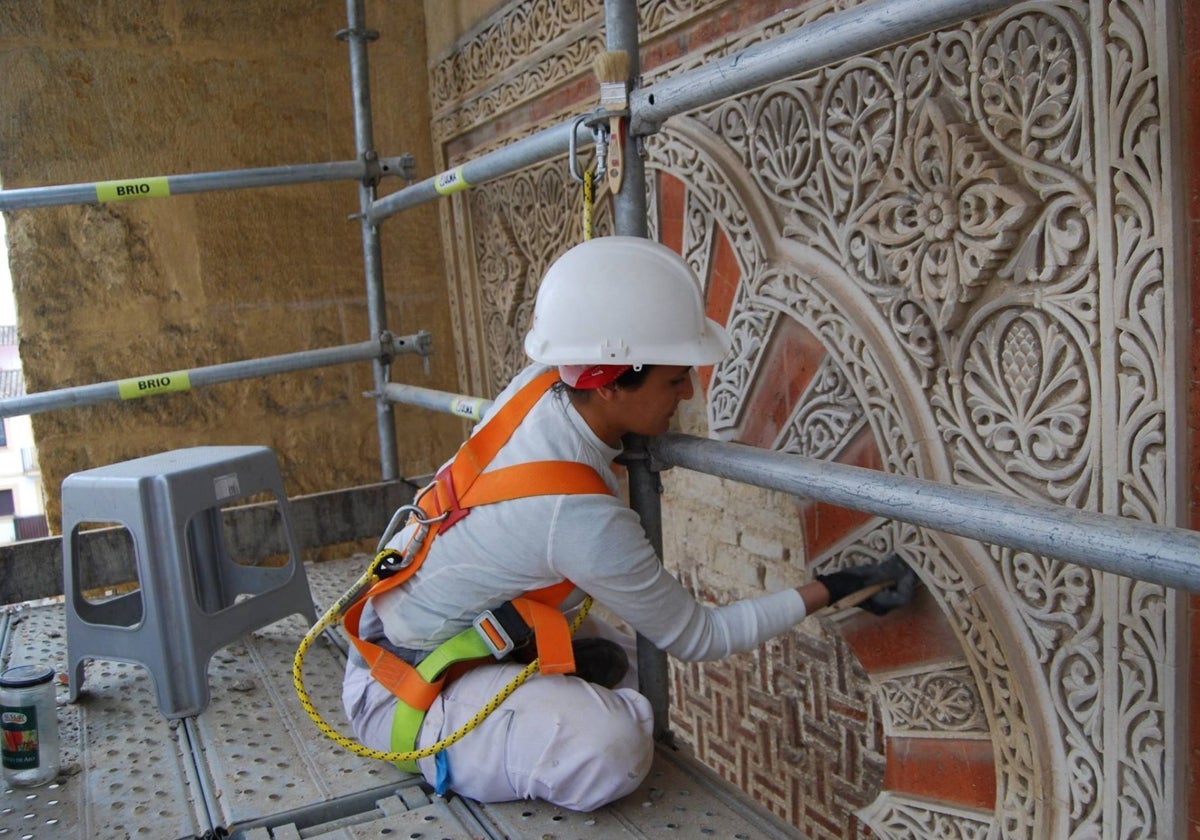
[573,147]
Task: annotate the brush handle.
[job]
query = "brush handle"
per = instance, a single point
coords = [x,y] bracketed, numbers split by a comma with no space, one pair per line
[616,155]
[855,598]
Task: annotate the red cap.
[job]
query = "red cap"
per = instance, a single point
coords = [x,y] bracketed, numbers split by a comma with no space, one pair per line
[590,376]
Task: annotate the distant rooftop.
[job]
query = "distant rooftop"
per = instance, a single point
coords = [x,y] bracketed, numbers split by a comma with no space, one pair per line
[12,382]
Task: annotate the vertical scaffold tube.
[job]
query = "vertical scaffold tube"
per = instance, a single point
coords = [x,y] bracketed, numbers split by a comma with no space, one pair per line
[629,219]
[357,38]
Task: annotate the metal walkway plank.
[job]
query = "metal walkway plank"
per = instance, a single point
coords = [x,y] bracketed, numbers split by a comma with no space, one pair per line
[123,772]
[262,750]
[255,766]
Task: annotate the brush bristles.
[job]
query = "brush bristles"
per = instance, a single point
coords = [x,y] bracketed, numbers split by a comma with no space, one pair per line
[612,66]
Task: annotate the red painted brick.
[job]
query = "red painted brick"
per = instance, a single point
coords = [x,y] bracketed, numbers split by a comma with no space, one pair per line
[827,525]
[961,771]
[724,277]
[1191,127]
[791,357]
[909,636]
[573,95]
[1191,29]
[699,35]
[661,52]
[671,194]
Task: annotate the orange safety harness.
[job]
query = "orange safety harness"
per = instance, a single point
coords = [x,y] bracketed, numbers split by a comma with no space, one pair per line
[457,488]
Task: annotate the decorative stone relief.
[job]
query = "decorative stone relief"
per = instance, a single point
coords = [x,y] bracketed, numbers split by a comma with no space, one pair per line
[507,39]
[897,816]
[522,223]
[528,48]
[932,702]
[975,225]
[827,416]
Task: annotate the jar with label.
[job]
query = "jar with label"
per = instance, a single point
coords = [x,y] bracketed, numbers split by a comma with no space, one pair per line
[29,725]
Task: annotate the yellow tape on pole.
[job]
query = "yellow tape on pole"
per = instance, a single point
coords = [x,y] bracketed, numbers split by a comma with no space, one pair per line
[468,407]
[159,383]
[136,188]
[451,181]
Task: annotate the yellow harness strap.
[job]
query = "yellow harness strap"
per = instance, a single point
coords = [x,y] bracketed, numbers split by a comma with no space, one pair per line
[457,488]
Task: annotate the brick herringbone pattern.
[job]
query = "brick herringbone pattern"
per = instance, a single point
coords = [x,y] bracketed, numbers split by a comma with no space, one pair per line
[794,724]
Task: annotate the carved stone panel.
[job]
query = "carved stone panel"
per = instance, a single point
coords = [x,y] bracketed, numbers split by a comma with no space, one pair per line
[950,259]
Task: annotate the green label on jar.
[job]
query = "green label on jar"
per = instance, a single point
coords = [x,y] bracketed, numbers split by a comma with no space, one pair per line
[18,724]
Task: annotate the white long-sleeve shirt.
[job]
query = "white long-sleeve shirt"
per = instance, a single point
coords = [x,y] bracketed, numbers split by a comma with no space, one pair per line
[500,551]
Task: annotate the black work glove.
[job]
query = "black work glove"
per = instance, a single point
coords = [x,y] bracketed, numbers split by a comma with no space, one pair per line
[848,581]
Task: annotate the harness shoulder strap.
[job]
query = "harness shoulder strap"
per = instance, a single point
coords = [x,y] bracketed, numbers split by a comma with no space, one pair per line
[460,486]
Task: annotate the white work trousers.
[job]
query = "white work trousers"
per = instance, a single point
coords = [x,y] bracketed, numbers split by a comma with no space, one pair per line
[557,738]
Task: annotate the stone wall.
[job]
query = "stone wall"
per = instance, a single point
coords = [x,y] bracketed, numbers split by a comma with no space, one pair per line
[958,259]
[95,92]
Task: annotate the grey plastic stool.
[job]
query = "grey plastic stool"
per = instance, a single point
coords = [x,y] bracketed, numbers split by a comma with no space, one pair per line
[193,598]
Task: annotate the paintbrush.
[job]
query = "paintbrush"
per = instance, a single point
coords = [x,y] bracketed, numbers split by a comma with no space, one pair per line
[612,69]
[853,600]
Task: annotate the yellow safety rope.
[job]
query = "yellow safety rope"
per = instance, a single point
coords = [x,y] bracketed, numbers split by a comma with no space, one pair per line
[589,199]
[334,613]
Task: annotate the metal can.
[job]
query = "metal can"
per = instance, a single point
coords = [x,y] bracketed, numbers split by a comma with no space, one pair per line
[29,725]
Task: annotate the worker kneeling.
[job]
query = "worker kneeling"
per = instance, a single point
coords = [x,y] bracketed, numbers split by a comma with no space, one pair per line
[524,525]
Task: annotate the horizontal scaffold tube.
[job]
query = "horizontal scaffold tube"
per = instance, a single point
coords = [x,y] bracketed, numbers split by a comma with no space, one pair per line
[185,380]
[166,185]
[535,148]
[470,408]
[1155,553]
[836,37]
[830,39]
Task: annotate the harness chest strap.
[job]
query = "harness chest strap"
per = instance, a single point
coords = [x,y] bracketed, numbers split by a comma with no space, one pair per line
[459,487]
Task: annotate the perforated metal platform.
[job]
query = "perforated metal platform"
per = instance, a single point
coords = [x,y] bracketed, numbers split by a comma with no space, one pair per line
[254,766]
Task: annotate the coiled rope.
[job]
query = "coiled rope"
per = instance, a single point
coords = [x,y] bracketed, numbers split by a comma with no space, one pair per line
[334,613]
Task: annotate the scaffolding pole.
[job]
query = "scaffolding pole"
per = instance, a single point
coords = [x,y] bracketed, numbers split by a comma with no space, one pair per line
[1158,554]
[469,408]
[836,37]
[185,380]
[630,219]
[543,145]
[858,31]
[357,36]
[168,185]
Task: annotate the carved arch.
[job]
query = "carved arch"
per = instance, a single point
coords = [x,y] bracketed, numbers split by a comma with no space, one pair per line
[781,278]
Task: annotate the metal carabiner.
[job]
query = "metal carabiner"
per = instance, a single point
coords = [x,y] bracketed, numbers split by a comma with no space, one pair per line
[417,515]
[573,147]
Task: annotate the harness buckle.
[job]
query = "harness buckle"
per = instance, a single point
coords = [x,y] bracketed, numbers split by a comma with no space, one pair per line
[493,634]
[502,630]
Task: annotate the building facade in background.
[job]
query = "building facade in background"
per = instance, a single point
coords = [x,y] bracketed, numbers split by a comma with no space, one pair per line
[22,501]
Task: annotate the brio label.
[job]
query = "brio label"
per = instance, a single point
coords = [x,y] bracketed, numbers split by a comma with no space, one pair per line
[136,188]
[159,383]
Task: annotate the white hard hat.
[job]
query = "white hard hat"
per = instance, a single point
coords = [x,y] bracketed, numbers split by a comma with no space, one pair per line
[622,300]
